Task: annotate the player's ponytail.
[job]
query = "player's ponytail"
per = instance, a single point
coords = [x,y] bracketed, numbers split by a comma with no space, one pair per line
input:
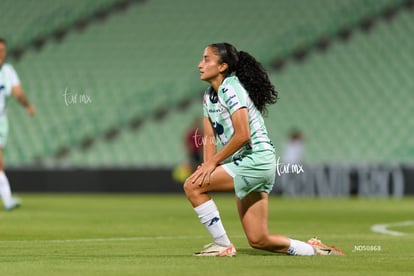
[251,74]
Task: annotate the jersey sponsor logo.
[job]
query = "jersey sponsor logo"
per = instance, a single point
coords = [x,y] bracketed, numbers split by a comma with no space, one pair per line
[229,100]
[245,180]
[233,105]
[232,101]
[215,110]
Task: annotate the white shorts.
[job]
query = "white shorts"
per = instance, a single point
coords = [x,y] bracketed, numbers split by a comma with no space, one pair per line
[4,130]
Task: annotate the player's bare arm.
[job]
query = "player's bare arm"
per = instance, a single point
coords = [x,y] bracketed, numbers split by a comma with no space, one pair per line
[19,94]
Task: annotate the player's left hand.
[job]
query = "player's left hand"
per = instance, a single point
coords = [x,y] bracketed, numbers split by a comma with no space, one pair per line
[30,109]
[202,175]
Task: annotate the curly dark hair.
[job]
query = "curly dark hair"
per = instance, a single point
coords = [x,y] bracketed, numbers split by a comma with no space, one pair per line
[251,74]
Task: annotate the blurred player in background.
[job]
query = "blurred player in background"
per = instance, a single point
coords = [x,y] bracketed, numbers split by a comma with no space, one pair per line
[294,148]
[194,144]
[233,106]
[9,84]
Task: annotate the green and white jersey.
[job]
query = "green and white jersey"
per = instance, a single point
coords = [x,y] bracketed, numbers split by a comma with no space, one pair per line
[8,79]
[219,107]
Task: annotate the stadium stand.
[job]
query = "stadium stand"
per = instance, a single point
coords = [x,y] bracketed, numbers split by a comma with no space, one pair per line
[144,60]
[28,21]
[355,102]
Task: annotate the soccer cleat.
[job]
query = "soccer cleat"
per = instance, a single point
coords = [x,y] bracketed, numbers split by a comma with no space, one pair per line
[13,204]
[213,249]
[322,249]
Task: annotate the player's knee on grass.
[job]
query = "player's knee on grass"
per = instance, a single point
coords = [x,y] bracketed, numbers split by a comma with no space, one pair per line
[258,242]
[265,243]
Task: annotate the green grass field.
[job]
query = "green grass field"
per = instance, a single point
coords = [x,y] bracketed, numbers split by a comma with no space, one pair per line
[61,234]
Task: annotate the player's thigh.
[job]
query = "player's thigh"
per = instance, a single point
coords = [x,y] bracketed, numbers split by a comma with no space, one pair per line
[219,181]
[253,212]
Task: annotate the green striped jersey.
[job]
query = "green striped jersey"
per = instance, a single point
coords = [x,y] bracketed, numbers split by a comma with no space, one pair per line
[219,107]
[8,79]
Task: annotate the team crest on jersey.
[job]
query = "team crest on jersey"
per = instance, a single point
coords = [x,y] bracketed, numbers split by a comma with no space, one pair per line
[219,128]
[213,97]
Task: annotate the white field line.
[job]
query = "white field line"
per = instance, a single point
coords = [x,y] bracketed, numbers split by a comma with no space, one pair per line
[113,239]
[383,228]
[148,238]
[378,228]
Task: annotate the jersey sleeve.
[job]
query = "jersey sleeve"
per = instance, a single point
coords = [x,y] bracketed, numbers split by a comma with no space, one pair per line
[13,77]
[234,96]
